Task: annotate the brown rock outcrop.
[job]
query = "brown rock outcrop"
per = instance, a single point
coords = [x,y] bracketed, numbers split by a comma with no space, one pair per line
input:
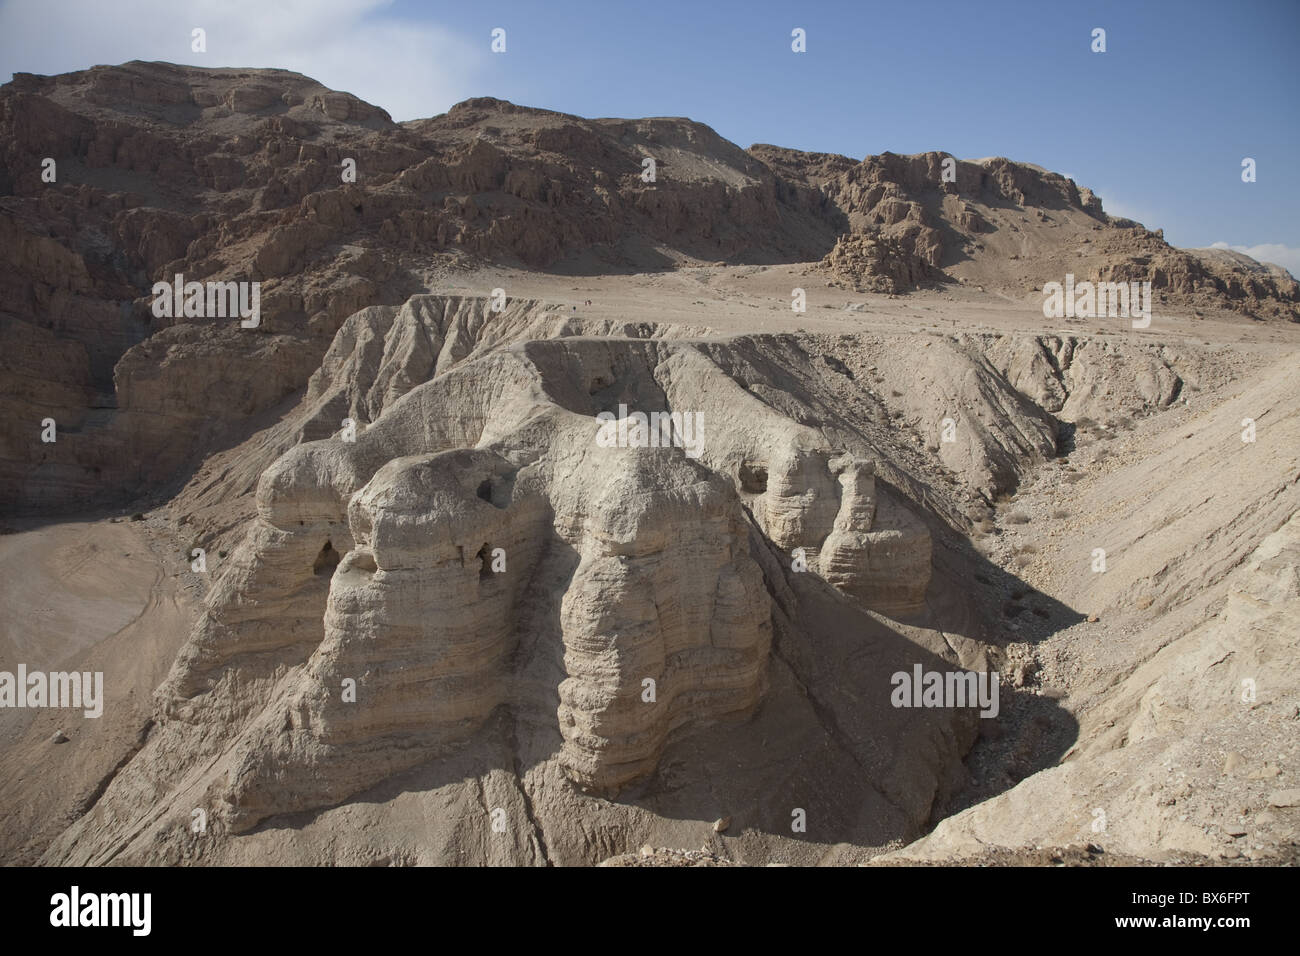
[238,175]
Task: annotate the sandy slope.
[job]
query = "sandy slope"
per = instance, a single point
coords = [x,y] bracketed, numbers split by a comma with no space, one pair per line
[94,595]
[751,299]
[1199,594]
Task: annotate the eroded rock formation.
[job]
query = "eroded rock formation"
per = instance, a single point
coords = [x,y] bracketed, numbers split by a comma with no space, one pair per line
[238,175]
[440,541]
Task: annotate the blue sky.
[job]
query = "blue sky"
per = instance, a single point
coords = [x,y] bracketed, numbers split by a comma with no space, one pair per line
[1157,125]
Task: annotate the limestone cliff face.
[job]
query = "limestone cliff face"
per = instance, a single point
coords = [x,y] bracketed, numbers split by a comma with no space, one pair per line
[397,587]
[877,550]
[474,571]
[910,221]
[663,618]
[665,591]
[427,609]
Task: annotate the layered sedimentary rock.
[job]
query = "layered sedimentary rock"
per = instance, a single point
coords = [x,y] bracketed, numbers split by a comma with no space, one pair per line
[397,581]
[664,619]
[467,572]
[243,175]
[877,550]
[424,611]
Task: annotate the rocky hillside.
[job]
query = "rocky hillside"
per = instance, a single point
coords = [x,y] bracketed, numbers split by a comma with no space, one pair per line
[453,604]
[498,587]
[246,175]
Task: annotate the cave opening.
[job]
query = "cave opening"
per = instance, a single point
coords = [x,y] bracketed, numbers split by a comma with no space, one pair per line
[753,479]
[326,561]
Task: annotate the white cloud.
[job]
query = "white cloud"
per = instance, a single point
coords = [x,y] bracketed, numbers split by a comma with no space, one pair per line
[410,68]
[1288,257]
